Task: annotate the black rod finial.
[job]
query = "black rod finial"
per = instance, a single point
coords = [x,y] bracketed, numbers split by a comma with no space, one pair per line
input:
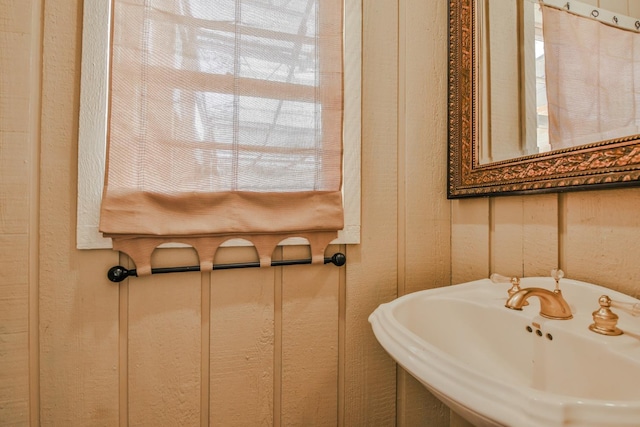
[339,259]
[119,273]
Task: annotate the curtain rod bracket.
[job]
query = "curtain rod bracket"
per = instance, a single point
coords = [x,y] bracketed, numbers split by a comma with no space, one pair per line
[119,273]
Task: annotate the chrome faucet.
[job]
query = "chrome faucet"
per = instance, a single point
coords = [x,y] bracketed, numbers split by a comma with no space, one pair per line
[552,303]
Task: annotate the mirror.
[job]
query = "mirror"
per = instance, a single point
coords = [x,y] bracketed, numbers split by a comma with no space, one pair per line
[492,154]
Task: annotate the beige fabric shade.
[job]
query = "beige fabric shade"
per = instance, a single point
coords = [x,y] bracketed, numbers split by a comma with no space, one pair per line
[592,78]
[225,121]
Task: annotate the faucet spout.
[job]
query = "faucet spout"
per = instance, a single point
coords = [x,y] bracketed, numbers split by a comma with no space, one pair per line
[552,303]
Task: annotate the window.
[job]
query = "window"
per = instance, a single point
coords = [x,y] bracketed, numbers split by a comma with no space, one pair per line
[93,124]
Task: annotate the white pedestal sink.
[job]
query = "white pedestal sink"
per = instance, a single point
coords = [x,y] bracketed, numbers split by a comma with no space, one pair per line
[500,367]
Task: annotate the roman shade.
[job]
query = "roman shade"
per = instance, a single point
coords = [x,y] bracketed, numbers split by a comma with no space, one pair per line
[225,121]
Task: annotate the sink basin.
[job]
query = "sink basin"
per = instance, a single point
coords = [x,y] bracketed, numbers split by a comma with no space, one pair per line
[500,367]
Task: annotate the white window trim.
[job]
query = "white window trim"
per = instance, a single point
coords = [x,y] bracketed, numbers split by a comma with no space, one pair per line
[93,126]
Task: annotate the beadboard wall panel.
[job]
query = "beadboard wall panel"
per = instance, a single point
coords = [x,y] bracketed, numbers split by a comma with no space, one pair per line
[372,272]
[261,347]
[423,255]
[282,346]
[16,196]
[242,352]
[77,305]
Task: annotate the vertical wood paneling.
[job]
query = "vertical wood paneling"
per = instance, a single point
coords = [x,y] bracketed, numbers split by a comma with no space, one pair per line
[309,344]
[255,350]
[159,325]
[470,244]
[35,109]
[423,214]
[15,167]
[15,198]
[618,6]
[242,343]
[522,238]
[19,109]
[16,16]
[371,274]
[78,340]
[540,235]
[426,228]
[78,307]
[164,344]
[14,322]
[123,345]
[602,240]
[15,56]
[507,237]
[633,8]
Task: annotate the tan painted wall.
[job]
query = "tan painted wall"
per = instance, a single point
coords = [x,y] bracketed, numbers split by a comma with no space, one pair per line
[592,236]
[284,346]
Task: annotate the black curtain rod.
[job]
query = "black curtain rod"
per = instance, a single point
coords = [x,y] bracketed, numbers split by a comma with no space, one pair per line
[119,273]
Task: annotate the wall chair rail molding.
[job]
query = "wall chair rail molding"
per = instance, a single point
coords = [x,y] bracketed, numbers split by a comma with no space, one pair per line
[476,37]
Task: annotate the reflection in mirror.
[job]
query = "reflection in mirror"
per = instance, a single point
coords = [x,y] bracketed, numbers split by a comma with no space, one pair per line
[511,80]
[593,93]
[526,112]
[514,118]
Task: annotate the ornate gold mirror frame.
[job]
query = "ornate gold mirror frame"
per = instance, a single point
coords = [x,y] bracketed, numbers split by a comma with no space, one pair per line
[597,165]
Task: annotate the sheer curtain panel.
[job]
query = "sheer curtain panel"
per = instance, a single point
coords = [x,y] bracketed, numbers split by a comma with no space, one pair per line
[592,77]
[225,121]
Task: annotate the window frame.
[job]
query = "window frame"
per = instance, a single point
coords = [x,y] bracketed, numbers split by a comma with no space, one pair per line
[92,133]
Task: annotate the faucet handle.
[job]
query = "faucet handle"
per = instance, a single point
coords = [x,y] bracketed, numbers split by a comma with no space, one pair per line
[515,283]
[605,320]
[557,274]
[499,278]
[628,307]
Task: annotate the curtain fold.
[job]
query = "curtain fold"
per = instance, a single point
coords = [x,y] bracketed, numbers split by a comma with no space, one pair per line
[225,121]
[592,78]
